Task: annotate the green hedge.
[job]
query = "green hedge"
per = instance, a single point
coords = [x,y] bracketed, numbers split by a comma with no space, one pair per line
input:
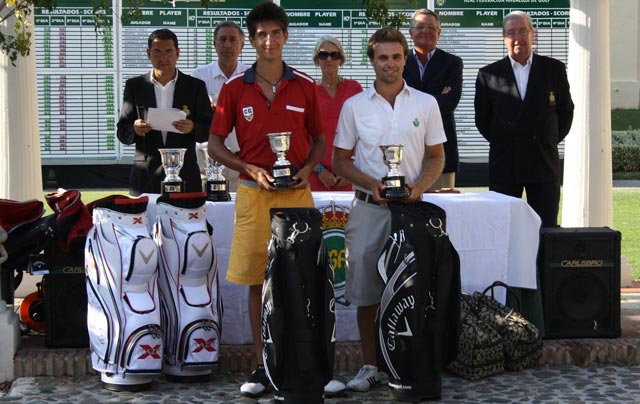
[625,151]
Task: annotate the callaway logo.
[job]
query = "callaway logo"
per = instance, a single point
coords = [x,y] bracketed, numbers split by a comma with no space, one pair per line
[150,351]
[202,344]
[193,215]
[200,251]
[146,258]
[137,220]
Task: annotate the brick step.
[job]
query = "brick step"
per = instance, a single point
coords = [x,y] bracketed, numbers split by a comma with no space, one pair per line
[33,361]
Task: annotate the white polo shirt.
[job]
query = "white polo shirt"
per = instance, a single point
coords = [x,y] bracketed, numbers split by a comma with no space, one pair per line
[368,121]
[214,78]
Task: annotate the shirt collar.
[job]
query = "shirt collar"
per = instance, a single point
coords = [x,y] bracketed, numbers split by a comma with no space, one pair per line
[154,81]
[373,92]
[250,74]
[515,62]
[430,54]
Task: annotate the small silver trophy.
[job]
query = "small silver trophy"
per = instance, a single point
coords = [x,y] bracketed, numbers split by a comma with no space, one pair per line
[172,161]
[282,170]
[394,182]
[217,186]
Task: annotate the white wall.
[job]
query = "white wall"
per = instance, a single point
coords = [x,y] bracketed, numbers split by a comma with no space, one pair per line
[625,53]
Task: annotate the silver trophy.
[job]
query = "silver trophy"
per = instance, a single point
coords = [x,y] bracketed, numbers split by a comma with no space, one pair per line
[394,182]
[217,186]
[172,161]
[282,170]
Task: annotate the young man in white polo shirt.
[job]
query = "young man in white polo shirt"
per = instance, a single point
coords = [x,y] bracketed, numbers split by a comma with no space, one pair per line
[390,112]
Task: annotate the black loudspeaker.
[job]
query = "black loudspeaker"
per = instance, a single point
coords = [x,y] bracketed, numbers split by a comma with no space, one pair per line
[65,308]
[580,276]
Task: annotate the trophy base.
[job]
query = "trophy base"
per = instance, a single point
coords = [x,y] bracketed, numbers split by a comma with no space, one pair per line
[217,191]
[282,176]
[395,188]
[284,182]
[171,187]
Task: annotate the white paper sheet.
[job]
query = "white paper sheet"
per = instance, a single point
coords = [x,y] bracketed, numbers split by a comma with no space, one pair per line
[162,119]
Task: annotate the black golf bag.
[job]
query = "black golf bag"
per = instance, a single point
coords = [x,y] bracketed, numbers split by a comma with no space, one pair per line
[298,317]
[123,314]
[418,321]
[191,308]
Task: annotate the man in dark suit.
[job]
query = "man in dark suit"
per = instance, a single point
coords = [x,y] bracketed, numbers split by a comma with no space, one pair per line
[523,108]
[164,87]
[438,73]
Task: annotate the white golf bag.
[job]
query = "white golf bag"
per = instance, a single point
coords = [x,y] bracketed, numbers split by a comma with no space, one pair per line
[123,315]
[189,292]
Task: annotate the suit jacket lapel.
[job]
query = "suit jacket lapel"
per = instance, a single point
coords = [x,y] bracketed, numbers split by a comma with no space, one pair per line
[149,92]
[536,76]
[434,65]
[412,67]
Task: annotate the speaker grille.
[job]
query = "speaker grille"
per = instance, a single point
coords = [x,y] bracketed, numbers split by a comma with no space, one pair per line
[65,302]
[580,274]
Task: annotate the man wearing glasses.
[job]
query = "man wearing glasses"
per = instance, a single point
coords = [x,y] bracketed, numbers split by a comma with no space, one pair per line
[439,73]
[523,108]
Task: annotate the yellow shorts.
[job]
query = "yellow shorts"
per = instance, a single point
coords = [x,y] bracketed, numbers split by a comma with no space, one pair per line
[252,229]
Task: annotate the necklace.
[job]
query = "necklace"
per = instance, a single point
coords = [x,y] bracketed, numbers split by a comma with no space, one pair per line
[274,86]
[329,85]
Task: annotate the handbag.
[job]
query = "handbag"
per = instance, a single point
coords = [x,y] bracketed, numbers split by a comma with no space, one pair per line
[480,349]
[521,340]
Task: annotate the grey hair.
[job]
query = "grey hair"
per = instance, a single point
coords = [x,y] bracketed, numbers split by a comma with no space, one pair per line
[333,41]
[227,24]
[425,11]
[516,14]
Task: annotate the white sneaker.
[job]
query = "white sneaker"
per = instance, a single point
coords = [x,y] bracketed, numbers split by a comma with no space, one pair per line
[334,387]
[366,377]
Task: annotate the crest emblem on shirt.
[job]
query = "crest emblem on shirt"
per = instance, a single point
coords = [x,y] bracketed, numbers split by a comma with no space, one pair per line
[552,99]
[416,122]
[248,113]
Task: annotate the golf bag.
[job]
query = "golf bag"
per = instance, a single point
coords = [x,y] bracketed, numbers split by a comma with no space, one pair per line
[73,220]
[123,315]
[189,292]
[298,317]
[25,233]
[418,322]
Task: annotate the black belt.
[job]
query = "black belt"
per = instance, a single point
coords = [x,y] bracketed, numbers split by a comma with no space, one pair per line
[368,198]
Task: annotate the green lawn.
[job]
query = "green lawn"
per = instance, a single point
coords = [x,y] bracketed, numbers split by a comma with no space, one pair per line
[626,218]
[625,119]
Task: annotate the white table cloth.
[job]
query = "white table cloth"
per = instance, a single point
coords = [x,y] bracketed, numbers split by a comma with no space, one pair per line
[495,235]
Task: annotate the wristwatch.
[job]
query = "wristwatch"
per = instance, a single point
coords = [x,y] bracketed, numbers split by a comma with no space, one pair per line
[319,169]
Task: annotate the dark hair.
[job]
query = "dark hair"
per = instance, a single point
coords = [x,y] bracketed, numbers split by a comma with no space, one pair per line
[387,34]
[266,11]
[162,34]
[227,24]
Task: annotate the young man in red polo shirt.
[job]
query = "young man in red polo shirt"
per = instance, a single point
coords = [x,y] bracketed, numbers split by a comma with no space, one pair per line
[270,97]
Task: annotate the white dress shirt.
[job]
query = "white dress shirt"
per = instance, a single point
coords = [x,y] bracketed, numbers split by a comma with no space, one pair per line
[522,74]
[164,96]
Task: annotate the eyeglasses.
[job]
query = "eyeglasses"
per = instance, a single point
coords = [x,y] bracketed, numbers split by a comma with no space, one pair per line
[512,34]
[421,27]
[324,55]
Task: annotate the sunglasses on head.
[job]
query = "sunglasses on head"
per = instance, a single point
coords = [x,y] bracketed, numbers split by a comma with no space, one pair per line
[324,55]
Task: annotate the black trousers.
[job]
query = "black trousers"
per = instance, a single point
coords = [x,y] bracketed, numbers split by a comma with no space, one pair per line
[543,197]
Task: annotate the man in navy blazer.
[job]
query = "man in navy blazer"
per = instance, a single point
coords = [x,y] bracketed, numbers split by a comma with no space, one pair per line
[164,87]
[438,73]
[524,109]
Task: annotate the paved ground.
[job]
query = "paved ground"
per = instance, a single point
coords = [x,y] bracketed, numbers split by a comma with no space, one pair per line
[545,385]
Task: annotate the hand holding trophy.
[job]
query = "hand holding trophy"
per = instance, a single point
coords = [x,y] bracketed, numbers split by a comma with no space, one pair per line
[283,169]
[394,181]
[217,186]
[172,161]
